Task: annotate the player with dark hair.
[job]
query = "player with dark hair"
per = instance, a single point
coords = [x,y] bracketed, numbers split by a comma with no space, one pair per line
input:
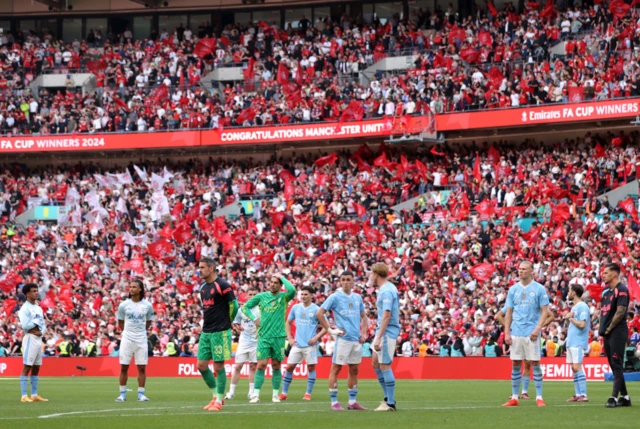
[134,319]
[614,330]
[305,345]
[32,322]
[220,308]
[578,341]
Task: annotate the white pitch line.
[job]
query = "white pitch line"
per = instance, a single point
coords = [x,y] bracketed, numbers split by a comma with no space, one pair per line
[72,413]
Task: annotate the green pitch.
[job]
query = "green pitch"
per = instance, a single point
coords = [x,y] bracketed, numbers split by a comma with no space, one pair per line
[89,402]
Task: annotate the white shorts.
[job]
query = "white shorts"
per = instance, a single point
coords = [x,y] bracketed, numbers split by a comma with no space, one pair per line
[347,352]
[309,354]
[246,353]
[522,348]
[32,350]
[387,350]
[130,349]
[575,354]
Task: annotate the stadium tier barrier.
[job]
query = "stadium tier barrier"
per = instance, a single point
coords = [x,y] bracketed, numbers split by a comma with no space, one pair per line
[405,368]
[379,127]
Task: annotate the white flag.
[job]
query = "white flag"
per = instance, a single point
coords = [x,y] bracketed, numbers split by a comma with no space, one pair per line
[92,199]
[160,204]
[76,217]
[129,179]
[103,181]
[129,239]
[72,198]
[157,182]
[166,175]
[141,173]
[180,188]
[122,206]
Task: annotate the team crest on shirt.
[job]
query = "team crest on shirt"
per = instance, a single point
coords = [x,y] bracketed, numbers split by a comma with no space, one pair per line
[311,314]
[532,294]
[524,296]
[304,316]
[351,305]
[273,303]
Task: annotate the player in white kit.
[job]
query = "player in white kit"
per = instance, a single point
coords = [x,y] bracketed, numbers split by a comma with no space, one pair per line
[32,321]
[247,347]
[134,318]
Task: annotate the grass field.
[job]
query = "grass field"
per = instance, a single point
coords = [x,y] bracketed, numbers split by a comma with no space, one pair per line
[89,402]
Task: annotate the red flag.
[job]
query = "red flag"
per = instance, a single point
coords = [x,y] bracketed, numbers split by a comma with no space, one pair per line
[160,93]
[533,235]
[634,289]
[97,303]
[265,259]
[619,8]
[286,176]
[251,225]
[136,265]
[485,38]
[193,213]
[204,47]
[371,233]
[351,227]
[220,225]
[250,72]
[485,209]
[183,288]
[305,227]
[559,233]
[326,160]
[362,165]
[326,259]
[494,155]
[629,206]
[246,115]
[289,190]
[560,213]
[422,169]
[182,234]
[435,152]
[8,305]
[121,103]
[492,9]
[469,55]
[6,286]
[482,272]
[282,76]
[499,242]
[277,218]
[160,249]
[617,141]
[353,112]
[595,291]
[548,11]
[477,174]
[48,301]
[321,179]
[406,165]
[576,94]
[95,66]
[364,151]
[599,151]
[620,246]
[381,161]
[360,209]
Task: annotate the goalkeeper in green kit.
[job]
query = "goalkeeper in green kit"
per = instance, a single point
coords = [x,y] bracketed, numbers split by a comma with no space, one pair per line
[271,331]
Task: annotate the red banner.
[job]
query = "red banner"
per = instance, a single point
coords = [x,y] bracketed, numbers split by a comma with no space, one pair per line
[54,143]
[431,368]
[517,117]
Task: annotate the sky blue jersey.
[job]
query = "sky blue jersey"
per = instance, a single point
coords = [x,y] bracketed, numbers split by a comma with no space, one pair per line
[577,337]
[346,312]
[526,303]
[388,301]
[306,322]
[31,315]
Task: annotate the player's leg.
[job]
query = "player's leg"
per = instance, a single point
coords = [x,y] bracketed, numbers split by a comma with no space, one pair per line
[205,354]
[124,377]
[376,368]
[295,358]
[35,371]
[235,377]
[385,358]
[517,358]
[616,347]
[261,368]
[142,358]
[253,366]
[311,358]
[533,352]
[24,382]
[221,354]
[277,356]
[355,358]
[526,378]
[333,385]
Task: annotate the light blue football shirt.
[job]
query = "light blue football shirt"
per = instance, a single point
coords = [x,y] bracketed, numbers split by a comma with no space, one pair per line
[306,322]
[346,312]
[577,337]
[388,301]
[31,315]
[525,301]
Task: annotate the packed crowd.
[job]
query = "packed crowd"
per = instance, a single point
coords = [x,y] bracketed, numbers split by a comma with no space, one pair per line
[311,73]
[316,218]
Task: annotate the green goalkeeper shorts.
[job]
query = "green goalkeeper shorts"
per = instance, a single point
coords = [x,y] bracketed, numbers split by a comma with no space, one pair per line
[215,346]
[271,348]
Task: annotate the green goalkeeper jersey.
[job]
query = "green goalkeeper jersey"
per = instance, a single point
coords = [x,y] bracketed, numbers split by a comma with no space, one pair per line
[272,310]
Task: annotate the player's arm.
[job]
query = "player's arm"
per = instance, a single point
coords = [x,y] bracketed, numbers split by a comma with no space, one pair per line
[253,302]
[578,320]
[291,289]
[25,321]
[287,327]
[151,315]
[121,315]
[617,318]
[550,318]
[500,318]
[364,326]
[543,301]
[508,317]
[233,309]
[322,319]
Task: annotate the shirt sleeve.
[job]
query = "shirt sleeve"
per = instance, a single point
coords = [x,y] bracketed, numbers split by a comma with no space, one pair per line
[583,313]
[361,305]
[622,298]
[509,303]
[328,304]
[387,301]
[227,292]
[292,314]
[25,320]
[151,314]
[253,302]
[543,297]
[291,289]
[121,312]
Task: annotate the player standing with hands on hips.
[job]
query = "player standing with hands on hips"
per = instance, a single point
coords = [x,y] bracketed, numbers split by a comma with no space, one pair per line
[578,341]
[220,308]
[527,303]
[384,344]
[32,321]
[134,318]
[350,318]
[614,330]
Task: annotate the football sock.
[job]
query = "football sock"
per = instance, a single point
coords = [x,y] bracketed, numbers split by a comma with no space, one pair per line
[34,385]
[210,380]
[276,380]
[222,384]
[24,381]
[537,380]
[259,381]
[525,383]
[288,378]
[352,395]
[516,378]
[232,389]
[311,381]
[580,380]
[381,381]
[140,391]
[251,388]
[333,393]
[390,383]
[123,391]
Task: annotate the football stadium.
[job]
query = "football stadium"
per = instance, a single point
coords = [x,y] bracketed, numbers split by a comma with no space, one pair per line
[301,213]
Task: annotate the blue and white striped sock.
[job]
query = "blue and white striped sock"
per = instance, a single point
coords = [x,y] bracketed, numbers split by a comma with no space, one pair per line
[24,381]
[525,383]
[378,372]
[123,392]
[353,393]
[537,380]
[288,378]
[390,384]
[333,393]
[516,378]
[34,385]
[581,379]
[311,381]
